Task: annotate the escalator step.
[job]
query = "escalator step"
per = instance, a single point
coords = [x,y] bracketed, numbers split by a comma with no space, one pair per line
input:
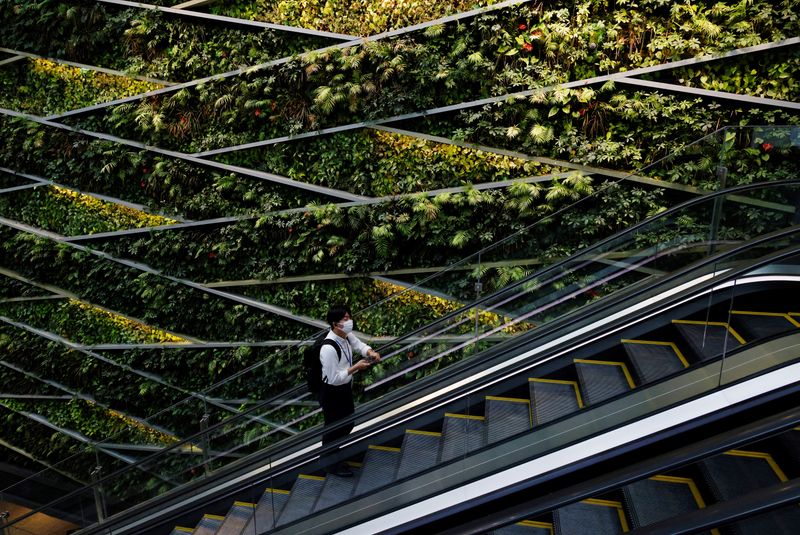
[178,530]
[461,434]
[237,518]
[709,339]
[661,497]
[380,468]
[601,379]
[208,525]
[777,522]
[552,399]
[268,510]
[653,360]
[506,417]
[301,501]
[757,325]
[790,441]
[337,489]
[526,527]
[737,472]
[419,452]
[598,517]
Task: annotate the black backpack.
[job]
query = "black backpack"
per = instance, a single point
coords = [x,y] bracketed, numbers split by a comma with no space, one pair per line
[312,367]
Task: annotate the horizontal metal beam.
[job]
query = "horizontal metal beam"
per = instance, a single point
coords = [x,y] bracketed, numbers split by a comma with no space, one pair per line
[231,20]
[716,95]
[86,67]
[146,230]
[508,96]
[19,188]
[287,59]
[270,177]
[35,397]
[47,465]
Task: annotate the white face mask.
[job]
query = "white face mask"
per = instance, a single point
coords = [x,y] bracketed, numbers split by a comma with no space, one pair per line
[346,326]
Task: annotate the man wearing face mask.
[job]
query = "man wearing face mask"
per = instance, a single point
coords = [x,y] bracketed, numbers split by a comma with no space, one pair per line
[336,397]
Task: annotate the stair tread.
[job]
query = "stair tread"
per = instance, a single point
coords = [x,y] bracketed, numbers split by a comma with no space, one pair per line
[305,492]
[267,511]
[601,380]
[708,340]
[590,516]
[783,520]
[659,498]
[552,399]
[208,525]
[526,527]
[420,451]
[506,417]
[380,468]
[461,434]
[736,473]
[236,519]
[756,325]
[653,360]
[336,489]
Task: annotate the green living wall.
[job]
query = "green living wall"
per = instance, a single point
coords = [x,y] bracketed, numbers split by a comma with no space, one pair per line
[482,145]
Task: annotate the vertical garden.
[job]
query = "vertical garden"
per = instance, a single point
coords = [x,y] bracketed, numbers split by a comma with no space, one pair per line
[182,196]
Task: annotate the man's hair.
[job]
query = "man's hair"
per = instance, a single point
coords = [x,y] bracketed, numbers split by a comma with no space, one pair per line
[336,313]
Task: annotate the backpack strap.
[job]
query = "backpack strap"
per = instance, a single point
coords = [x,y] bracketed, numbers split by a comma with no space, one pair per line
[334,345]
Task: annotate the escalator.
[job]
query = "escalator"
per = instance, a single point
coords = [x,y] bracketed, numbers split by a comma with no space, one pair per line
[602,350]
[738,326]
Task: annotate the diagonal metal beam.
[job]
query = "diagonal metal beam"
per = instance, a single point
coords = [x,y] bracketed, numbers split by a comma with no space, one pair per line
[47,465]
[706,93]
[11,60]
[509,96]
[147,375]
[281,61]
[230,20]
[73,394]
[270,177]
[84,66]
[39,181]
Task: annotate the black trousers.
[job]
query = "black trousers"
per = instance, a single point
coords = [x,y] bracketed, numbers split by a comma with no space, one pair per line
[337,404]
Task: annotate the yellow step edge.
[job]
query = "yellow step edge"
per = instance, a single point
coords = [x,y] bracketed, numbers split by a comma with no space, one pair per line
[684,481]
[244,504]
[716,324]
[561,382]
[616,505]
[355,464]
[513,400]
[628,376]
[185,530]
[654,343]
[277,491]
[383,448]
[313,478]
[761,455]
[787,317]
[428,433]
[464,416]
[214,517]
[535,524]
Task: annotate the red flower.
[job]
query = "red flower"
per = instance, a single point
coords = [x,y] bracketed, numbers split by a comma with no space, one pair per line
[290,230]
[184,120]
[766,146]
[582,112]
[522,27]
[145,170]
[527,47]
[257,112]
[212,255]
[536,34]
[142,184]
[410,354]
